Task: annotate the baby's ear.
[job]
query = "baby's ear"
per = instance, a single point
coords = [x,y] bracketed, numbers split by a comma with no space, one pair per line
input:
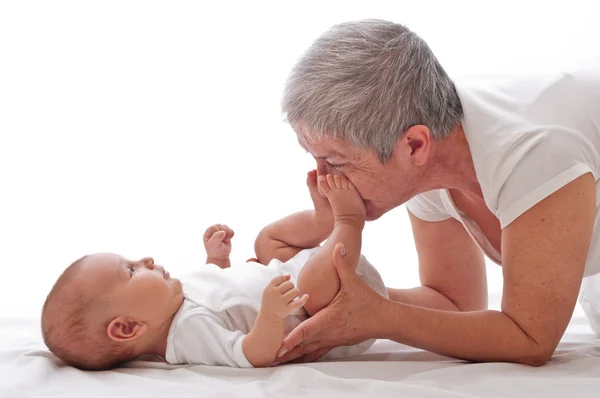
[123,329]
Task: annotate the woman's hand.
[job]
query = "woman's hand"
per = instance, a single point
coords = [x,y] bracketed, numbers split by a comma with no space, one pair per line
[349,319]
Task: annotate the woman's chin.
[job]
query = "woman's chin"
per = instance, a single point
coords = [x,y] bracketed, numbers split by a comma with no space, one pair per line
[372,213]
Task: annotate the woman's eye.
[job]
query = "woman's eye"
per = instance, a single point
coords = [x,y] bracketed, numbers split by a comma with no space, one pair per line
[334,166]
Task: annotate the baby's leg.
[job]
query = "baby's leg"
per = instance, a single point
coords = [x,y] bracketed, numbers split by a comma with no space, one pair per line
[286,237]
[318,278]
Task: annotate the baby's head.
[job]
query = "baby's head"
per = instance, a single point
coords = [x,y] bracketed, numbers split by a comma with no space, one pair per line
[105,310]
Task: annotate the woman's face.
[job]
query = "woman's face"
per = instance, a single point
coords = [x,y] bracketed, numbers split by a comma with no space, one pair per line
[381,186]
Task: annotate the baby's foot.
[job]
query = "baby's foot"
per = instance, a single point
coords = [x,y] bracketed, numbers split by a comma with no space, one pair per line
[323,209]
[345,201]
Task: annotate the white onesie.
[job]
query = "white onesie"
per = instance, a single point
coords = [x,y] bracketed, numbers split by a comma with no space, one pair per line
[221,306]
[528,137]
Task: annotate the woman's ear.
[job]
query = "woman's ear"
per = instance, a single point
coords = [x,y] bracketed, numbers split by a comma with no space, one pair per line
[418,139]
[122,329]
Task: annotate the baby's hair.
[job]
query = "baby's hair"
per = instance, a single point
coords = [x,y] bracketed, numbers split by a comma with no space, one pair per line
[70,330]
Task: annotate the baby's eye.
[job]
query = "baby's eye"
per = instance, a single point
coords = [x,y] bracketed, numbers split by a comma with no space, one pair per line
[131,270]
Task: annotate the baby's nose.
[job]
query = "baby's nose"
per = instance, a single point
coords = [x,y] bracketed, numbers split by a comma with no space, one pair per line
[148,262]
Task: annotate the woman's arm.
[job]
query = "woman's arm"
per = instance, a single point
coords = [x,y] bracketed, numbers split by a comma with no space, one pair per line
[451,268]
[543,253]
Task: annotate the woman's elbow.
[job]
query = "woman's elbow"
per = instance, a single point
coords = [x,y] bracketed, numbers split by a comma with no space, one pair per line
[539,357]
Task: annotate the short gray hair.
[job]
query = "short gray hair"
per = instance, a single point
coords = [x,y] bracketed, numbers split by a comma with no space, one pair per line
[368,82]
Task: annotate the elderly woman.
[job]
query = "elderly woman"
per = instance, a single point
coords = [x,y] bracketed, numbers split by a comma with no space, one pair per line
[507,168]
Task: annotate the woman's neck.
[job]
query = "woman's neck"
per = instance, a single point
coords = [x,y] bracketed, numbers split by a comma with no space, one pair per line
[453,166]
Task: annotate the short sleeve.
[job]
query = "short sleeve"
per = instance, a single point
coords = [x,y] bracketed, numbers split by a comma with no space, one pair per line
[201,338]
[538,164]
[428,206]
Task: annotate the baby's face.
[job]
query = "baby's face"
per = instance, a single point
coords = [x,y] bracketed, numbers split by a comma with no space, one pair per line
[136,289]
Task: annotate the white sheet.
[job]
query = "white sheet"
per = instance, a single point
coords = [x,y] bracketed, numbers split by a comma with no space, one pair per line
[386,370]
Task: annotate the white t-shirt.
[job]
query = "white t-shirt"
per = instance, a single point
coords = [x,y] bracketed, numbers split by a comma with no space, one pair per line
[220,307]
[528,137]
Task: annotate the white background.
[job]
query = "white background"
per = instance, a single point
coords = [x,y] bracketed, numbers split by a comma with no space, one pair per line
[131,126]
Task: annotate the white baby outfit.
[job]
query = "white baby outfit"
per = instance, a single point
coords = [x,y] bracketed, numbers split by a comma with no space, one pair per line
[221,306]
[528,137]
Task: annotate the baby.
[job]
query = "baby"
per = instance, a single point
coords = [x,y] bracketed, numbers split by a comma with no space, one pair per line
[105,310]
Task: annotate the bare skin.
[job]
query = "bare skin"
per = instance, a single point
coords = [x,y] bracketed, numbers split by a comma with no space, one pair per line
[280,298]
[543,261]
[318,277]
[336,203]
[217,242]
[284,238]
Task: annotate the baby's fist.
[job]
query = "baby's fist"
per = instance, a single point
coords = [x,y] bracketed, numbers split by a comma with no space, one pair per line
[217,241]
[279,295]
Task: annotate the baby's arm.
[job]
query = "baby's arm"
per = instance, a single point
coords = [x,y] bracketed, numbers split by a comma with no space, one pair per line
[284,238]
[260,346]
[217,242]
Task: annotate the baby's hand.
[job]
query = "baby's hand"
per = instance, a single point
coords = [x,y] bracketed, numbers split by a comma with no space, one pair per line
[217,241]
[278,298]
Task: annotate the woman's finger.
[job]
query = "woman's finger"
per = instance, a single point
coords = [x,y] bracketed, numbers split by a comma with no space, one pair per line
[344,268]
[305,332]
[304,353]
[314,355]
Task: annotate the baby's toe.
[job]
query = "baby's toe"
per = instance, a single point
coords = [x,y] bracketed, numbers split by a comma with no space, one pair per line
[324,184]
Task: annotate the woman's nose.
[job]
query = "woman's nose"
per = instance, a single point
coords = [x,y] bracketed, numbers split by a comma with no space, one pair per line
[322,168]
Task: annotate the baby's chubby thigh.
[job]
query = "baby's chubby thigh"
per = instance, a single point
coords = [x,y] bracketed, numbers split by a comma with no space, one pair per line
[291,267]
[365,271]
[368,274]
[372,278]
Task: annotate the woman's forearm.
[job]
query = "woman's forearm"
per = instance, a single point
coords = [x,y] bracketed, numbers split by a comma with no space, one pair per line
[422,296]
[489,336]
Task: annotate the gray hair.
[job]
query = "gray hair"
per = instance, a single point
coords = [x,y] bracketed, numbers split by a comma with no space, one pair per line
[368,82]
